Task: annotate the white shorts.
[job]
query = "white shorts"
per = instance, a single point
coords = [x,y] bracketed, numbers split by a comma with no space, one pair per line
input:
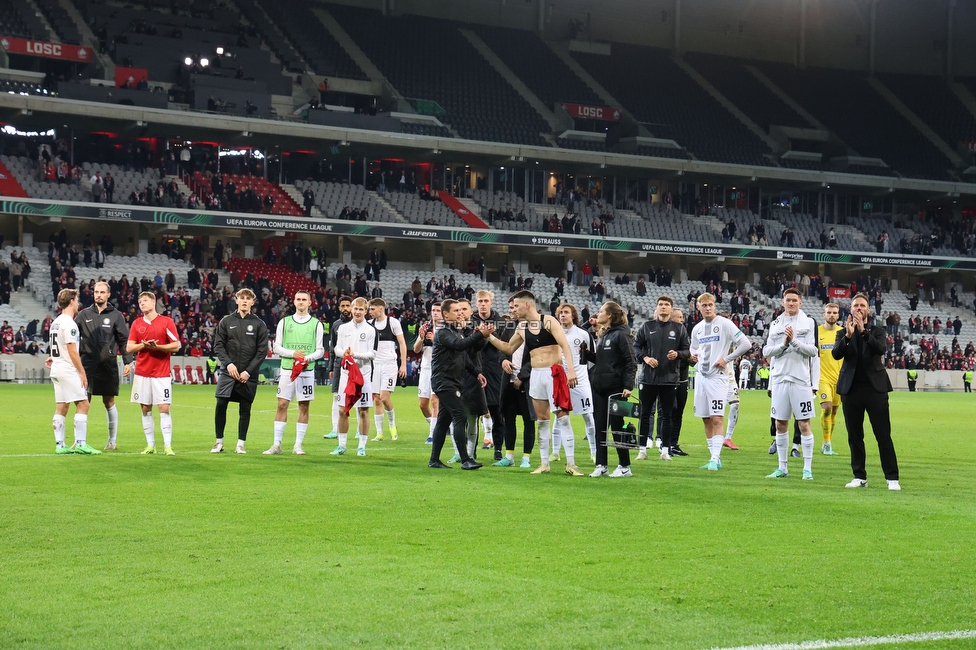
[791,399]
[365,402]
[540,387]
[582,398]
[68,389]
[732,396]
[302,389]
[423,388]
[385,377]
[152,390]
[710,396]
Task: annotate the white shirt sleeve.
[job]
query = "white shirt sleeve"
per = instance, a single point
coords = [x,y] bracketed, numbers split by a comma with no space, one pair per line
[395,327]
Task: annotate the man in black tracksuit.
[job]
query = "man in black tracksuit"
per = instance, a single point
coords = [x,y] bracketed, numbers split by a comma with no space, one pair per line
[658,347]
[103,333]
[241,344]
[491,368]
[448,365]
[345,315]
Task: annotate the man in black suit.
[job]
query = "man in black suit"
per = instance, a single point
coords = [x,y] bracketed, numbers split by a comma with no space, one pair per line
[864,386]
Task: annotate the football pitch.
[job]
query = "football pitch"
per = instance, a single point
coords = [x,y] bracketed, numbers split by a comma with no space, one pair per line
[227,551]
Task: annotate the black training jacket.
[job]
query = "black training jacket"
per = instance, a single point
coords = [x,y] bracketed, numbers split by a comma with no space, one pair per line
[614,362]
[655,339]
[102,335]
[450,358]
[242,342]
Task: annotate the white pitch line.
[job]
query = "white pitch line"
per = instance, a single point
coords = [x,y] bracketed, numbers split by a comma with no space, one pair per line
[861,641]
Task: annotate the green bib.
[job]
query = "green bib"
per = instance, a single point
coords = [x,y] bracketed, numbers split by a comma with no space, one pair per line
[968,376]
[912,374]
[298,336]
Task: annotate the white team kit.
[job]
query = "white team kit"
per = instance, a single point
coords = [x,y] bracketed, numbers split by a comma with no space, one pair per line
[385,369]
[732,396]
[712,341]
[423,388]
[303,387]
[791,366]
[361,339]
[581,394]
[64,375]
[745,368]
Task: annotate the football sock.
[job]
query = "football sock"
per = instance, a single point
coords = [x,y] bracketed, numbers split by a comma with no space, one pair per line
[279,432]
[166,426]
[335,415]
[807,443]
[378,421]
[430,425]
[300,430]
[510,455]
[783,449]
[149,428]
[471,435]
[825,427]
[112,415]
[733,418]
[362,440]
[796,445]
[590,427]
[544,441]
[489,429]
[569,443]
[391,417]
[557,437]
[58,422]
[343,438]
[81,428]
[831,421]
[715,445]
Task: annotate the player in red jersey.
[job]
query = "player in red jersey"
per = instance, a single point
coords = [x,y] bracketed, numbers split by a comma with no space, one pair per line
[153,337]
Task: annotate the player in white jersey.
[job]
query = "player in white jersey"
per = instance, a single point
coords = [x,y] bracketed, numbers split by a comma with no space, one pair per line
[425,344]
[581,394]
[68,376]
[791,348]
[711,340]
[298,339]
[745,370]
[356,340]
[389,337]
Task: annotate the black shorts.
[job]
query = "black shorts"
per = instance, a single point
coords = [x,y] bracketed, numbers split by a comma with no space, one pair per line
[233,390]
[103,379]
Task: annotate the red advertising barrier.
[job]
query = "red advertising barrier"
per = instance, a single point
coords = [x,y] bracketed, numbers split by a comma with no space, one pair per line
[838,292]
[9,185]
[62,51]
[585,112]
[461,210]
[130,76]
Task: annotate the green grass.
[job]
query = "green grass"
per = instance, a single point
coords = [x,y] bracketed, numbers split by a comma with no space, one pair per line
[227,551]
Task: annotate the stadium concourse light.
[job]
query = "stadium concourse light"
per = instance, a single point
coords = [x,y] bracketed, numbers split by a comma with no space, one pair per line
[204,62]
[220,51]
[188,61]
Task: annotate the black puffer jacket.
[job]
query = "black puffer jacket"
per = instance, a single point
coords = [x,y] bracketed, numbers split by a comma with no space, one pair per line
[615,364]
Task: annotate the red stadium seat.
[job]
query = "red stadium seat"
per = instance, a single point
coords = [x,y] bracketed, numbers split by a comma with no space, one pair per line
[189,375]
[201,376]
[177,376]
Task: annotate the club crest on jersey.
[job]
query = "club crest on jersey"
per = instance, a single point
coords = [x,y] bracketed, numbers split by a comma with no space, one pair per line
[362,336]
[106,321]
[715,329]
[250,328]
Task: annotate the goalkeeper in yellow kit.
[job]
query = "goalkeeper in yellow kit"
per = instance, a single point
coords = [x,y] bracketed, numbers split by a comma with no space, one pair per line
[829,372]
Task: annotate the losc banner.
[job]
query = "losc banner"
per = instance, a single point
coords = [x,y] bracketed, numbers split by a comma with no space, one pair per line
[585,112]
[838,292]
[61,51]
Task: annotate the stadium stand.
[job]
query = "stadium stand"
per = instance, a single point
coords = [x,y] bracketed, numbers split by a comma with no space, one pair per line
[535,64]
[658,222]
[685,113]
[744,90]
[864,120]
[312,40]
[428,58]
[420,128]
[262,187]
[15,19]
[62,23]
[582,144]
[932,100]
[276,40]
[419,211]
[333,198]
[661,152]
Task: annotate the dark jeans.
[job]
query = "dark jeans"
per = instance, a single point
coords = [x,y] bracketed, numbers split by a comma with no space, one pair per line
[451,411]
[649,395]
[601,409]
[677,415]
[856,402]
[515,404]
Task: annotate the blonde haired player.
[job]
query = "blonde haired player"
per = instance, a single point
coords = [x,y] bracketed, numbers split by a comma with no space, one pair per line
[711,340]
[68,376]
[298,337]
[829,374]
[356,340]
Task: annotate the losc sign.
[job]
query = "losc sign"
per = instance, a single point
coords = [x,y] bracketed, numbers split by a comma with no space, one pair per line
[62,51]
[587,112]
